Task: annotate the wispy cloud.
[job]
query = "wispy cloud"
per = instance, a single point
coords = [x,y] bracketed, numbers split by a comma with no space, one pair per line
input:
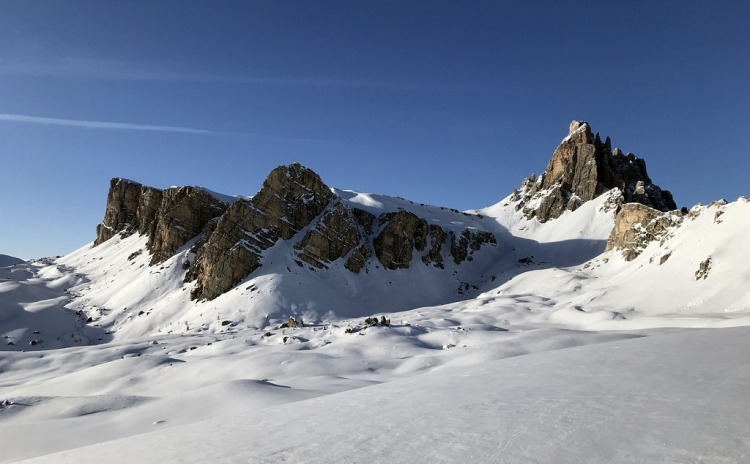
[110,125]
[22,118]
[83,68]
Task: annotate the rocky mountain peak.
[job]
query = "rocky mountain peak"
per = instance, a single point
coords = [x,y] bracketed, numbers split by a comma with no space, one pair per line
[581,131]
[295,193]
[290,199]
[230,240]
[583,167]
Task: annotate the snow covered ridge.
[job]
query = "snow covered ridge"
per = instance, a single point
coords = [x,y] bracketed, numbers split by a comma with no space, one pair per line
[6,260]
[670,269]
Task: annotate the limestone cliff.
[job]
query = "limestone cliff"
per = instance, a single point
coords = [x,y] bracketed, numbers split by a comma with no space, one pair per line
[582,168]
[402,234]
[292,205]
[122,209]
[169,217]
[182,214]
[334,236]
[291,197]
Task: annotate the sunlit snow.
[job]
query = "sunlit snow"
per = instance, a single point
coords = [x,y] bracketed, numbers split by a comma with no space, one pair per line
[565,354]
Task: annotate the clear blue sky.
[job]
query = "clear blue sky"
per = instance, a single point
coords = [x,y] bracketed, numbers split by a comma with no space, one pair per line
[450,103]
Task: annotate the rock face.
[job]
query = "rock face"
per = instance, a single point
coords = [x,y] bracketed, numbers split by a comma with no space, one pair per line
[335,235]
[468,242]
[182,214]
[293,205]
[169,217]
[582,168]
[402,234]
[291,197]
[636,226]
[148,209]
[122,209]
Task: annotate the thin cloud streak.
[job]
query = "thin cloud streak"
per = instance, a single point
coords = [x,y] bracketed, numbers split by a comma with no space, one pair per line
[124,71]
[109,125]
[21,118]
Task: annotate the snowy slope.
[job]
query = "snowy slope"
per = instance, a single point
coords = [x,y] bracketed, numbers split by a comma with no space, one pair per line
[33,312]
[665,398]
[660,288]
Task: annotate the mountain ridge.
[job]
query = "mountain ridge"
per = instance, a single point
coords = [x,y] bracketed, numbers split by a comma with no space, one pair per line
[184,258]
[231,234]
[7,260]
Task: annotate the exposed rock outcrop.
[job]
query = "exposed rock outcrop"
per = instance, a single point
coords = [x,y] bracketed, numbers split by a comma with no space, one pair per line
[469,242]
[582,168]
[182,214]
[434,255]
[291,197]
[169,217]
[293,204]
[334,236]
[358,259]
[703,269]
[122,210]
[403,232]
[636,226]
[148,209]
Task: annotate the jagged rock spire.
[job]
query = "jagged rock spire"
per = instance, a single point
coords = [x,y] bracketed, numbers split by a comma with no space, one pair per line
[582,168]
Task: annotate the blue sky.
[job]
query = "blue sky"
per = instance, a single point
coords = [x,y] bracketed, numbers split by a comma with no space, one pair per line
[450,103]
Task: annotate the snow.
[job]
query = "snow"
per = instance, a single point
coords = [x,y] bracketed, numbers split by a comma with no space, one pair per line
[668,294]
[582,126]
[569,355]
[450,219]
[663,398]
[228,199]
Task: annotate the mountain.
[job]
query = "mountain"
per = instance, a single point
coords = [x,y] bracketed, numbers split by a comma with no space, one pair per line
[582,168]
[187,258]
[6,260]
[303,225]
[544,328]
[323,227]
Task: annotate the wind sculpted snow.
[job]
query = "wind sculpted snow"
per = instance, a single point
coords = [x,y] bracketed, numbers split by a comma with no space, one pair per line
[663,398]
